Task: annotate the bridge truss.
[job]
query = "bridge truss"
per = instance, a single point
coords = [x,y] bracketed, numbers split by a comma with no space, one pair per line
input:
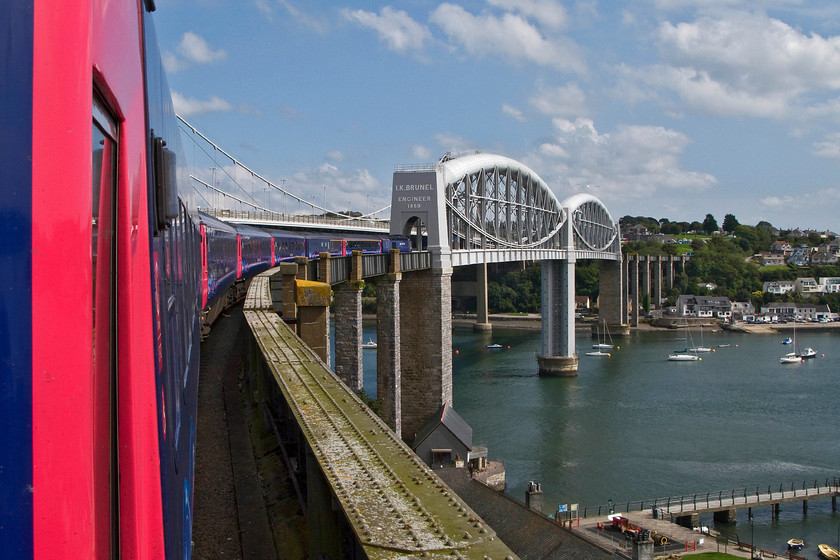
[497,209]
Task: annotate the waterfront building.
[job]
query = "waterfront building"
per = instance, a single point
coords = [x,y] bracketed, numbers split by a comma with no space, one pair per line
[703,306]
[830,284]
[779,287]
[789,310]
[807,286]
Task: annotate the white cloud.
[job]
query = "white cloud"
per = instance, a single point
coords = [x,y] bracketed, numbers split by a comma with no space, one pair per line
[453,143]
[335,155]
[548,13]
[190,106]
[192,49]
[353,189]
[303,18]
[195,49]
[395,27]
[508,35]
[562,101]
[629,164]
[511,111]
[744,64]
[421,153]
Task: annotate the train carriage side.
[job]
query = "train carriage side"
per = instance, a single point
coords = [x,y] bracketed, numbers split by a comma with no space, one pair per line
[219,258]
[317,244]
[255,246]
[287,245]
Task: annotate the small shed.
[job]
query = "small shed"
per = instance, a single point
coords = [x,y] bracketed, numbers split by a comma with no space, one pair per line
[445,440]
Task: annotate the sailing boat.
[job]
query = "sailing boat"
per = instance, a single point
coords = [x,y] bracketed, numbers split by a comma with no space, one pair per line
[686,355]
[602,340]
[792,357]
[701,348]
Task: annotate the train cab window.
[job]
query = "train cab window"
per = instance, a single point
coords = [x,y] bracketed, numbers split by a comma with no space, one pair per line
[104,300]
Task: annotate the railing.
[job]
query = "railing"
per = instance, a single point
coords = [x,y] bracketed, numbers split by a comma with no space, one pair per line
[722,499]
[372,265]
[309,219]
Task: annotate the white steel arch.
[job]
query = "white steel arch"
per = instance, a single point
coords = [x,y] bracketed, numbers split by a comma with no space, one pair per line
[483,208]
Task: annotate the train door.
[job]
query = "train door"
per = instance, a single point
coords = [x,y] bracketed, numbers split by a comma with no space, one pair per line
[104,278]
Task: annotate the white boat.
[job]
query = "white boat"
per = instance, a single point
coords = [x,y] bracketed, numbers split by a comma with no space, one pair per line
[602,339]
[790,358]
[788,340]
[795,544]
[599,353]
[808,353]
[369,344]
[494,346]
[686,357]
[701,348]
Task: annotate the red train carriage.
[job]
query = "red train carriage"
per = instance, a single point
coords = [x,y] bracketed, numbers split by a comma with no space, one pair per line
[100,274]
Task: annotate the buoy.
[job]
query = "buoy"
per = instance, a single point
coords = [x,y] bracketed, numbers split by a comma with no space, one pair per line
[618,347]
[713,349]
[457,351]
[508,346]
[822,355]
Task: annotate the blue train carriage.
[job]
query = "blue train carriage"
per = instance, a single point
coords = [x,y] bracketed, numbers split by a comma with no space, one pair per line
[402,244]
[367,244]
[255,250]
[219,261]
[317,244]
[287,246]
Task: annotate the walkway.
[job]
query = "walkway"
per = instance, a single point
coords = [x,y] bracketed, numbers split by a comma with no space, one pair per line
[231,519]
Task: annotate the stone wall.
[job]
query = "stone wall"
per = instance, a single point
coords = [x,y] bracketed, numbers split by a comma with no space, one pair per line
[425,346]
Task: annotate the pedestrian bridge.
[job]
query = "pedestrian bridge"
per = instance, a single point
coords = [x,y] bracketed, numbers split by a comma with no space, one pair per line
[486,208]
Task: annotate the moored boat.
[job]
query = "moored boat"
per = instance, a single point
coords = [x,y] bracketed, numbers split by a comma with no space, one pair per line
[599,353]
[686,357]
[828,552]
[494,346]
[788,340]
[795,544]
[808,353]
[369,344]
[791,358]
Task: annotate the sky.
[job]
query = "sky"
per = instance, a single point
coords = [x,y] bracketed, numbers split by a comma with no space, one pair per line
[663,108]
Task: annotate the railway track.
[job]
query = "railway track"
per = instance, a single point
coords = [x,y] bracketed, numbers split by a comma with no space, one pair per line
[392,500]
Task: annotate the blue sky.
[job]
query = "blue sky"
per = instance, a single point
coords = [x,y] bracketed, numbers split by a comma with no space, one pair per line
[665,108]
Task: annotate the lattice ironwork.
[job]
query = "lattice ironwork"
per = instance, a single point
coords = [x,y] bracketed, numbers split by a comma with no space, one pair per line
[594,228]
[494,202]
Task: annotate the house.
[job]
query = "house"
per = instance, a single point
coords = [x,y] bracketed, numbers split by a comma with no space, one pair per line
[703,306]
[830,284]
[781,248]
[823,257]
[770,259]
[635,232]
[799,257]
[741,309]
[807,286]
[788,311]
[707,286]
[779,287]
[581,302]
[824,314]
[445,440]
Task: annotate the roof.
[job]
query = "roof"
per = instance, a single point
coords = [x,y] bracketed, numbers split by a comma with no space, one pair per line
[451,420]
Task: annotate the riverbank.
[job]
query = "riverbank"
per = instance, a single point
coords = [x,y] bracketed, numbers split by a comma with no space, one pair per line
[533,321]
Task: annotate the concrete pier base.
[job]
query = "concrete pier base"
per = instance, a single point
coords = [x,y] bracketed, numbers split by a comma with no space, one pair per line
[689,521]
[558,366]
[482,327]
[727,516]
[643,550]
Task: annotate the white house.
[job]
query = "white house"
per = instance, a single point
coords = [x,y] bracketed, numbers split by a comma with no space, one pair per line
[807,286]
[789,311]
[779,287]
[830,284]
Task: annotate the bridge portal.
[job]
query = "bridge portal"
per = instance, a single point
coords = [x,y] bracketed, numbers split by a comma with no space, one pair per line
[483,208]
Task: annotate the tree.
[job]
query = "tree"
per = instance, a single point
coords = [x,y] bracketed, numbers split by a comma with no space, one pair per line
[730,223]
[710,225]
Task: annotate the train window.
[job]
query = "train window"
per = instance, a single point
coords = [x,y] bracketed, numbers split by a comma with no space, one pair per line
[104,300]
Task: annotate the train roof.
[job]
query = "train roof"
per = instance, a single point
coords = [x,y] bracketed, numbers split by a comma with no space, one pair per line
[215,223]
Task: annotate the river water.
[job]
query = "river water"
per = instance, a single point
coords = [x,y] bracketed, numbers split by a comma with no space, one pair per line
[637,427]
